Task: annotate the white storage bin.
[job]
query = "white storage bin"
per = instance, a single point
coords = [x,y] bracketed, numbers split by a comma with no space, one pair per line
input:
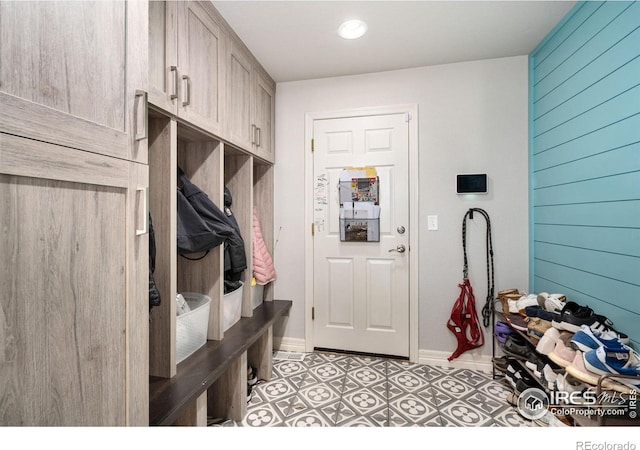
[257,295]
[232,307]
[192,327]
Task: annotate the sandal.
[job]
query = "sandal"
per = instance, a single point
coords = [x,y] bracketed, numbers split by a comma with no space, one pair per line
[517,347]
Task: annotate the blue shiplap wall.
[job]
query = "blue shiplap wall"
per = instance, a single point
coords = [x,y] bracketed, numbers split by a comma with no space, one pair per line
[585,161]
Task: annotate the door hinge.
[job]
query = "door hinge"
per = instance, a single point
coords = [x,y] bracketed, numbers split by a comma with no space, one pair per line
[313,313]
[313,229]
[407,117]
[313,144]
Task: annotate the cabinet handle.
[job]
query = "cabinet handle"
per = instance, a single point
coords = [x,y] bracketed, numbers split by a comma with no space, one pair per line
[253,134]
[258,138]
[145,110]
[188,100]
[176,79]
[145,210]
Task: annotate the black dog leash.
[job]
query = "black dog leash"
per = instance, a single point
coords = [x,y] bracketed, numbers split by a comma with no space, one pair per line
[487,310]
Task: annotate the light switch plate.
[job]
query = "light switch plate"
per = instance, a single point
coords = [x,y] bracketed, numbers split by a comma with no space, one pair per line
[432,223]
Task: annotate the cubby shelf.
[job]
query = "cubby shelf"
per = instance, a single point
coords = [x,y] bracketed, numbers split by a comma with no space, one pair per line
[212,116]
[218,371]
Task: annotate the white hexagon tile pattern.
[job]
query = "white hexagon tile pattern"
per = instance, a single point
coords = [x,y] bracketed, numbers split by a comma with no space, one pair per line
[343,390]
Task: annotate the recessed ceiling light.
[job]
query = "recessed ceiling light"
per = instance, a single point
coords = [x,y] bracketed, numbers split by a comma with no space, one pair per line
[352,29]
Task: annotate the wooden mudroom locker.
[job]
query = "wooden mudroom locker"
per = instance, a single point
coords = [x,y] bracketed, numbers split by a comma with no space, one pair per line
[100,102]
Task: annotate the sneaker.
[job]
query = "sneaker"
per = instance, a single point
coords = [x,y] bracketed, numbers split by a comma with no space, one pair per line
[563,354]
[517,322]
[586,339]
[578,369]
[512,399]
[574,387]
[573,316]
[523,385]
[550,420]
[535,365]
[568,383]
[549,377]
[551,302]
[510,377]
[548,341]
[601,324]
[252,376]
[500,363]
[524,301]
[537,311]
[515,374]
[215,421]
[621,361]
[249,392]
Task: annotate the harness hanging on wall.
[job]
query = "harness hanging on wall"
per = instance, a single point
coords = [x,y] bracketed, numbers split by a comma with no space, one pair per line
[464,322]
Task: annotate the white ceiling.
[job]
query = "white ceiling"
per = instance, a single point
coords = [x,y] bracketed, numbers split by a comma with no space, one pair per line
[297,40]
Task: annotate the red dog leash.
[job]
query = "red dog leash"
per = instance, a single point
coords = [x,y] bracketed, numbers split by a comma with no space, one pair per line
[464,321]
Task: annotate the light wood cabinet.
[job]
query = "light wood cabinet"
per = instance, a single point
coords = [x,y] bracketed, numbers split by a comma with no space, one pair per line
[186,56]
[81,167]
[74,316]
[73,184]
[203,74]
[240,128]
[164,79]
[264,115]
[70,72]
[250,103]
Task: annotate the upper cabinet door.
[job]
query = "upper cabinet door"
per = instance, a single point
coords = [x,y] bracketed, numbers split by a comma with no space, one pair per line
[264,116]
[64,76]
[164,76]
[201,64]
[240,97]
[250,104]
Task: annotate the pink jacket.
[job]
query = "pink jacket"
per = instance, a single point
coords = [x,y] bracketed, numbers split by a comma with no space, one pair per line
[263,269]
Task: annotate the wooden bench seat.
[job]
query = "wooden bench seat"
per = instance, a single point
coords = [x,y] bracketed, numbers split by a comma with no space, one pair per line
[213,379]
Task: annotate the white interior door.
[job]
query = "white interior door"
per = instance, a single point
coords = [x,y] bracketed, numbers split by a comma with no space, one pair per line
[361,289]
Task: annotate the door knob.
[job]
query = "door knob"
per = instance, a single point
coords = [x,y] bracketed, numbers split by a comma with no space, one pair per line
[400,249]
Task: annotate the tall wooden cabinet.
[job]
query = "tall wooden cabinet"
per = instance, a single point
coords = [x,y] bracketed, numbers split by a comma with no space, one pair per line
[73,190]
[100,102]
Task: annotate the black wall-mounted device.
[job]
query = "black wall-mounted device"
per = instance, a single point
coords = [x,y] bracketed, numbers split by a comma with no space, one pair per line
[471,183]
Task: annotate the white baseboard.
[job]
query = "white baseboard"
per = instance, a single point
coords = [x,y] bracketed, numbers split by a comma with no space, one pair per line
[465,361]
[289,344]
[431,357]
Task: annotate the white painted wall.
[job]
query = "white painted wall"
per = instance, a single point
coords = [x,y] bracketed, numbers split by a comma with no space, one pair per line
[472,119]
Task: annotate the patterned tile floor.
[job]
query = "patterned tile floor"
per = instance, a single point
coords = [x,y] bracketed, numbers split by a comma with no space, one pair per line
[340,390]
